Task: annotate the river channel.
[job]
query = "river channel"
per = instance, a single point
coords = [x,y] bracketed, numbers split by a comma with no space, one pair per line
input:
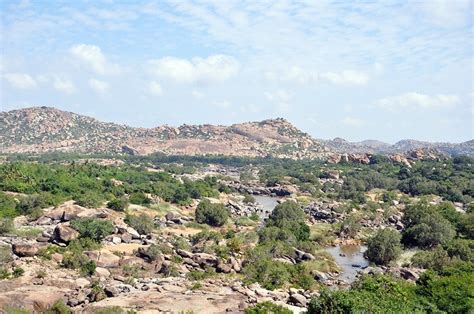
[350,258]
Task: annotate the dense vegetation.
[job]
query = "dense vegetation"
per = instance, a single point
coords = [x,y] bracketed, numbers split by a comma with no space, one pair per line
[90,185]
[441,234]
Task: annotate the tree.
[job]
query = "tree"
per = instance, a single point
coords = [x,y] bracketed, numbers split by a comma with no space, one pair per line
[288,216]
[384,247]
[431,231]
[212,214]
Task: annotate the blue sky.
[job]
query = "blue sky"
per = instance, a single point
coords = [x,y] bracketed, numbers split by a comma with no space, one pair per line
[385,70]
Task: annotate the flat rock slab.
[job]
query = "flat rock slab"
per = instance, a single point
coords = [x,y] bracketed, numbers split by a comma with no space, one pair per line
[33,298]
[175,302]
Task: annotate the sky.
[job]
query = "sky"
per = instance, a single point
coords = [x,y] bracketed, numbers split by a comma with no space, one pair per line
[385,70]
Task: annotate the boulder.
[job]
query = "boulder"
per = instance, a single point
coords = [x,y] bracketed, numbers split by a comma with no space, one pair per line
[104,259]
[298,300]
[82,282]
[205,259]
[184,253]
[126,237]
[102,272]
[223,268]
[25,249]
[111,291]
[65,234]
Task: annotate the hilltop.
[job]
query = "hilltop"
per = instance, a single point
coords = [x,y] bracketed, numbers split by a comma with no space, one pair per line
[46,129]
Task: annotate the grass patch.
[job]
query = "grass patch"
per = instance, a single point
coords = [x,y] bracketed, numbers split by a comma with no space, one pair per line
[27,232]
[322,233]
[324,262]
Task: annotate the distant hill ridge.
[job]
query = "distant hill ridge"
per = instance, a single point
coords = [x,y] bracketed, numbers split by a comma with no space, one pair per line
[45,129]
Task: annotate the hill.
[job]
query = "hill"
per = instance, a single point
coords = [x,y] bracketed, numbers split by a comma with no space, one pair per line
[46,129]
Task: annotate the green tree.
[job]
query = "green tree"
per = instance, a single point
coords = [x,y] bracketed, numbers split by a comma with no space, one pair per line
[384,247]
[212,214]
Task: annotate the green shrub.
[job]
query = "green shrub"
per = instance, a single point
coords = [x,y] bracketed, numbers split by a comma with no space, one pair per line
[6,225]
[18,272]
[350,227]
[139,198]
[370,294]
[89,199]
[93,228]
[88,268]
[143,223]
[118,204]
[267,307]
[8,206]
[212,214]
[249,199]
[58,308]
[384,247]
[451,294]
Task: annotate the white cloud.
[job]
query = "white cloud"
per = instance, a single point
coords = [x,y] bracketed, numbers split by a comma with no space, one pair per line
[417,100]
[197,94]
[94,58]
[221,104]
[196,70]
[98,85]
[347,77]
[20,80]
[281,99]
[155,88]
[250,108]
[446,13]
[299,75]
[352,121]
[64,86]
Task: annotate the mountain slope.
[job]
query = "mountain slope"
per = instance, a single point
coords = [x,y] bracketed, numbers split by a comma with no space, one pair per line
[42,129]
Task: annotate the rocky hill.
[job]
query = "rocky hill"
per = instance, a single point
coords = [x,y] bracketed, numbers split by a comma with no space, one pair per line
[340,145]
[45,129]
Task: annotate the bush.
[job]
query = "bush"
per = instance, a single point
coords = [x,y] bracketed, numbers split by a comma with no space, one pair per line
[370,294]
[118,204]
[384,247]
[451,294]
[267,307]
[212,214]
[270,274]
[350,227]
[249,199]
[93,228]
[139,198]
[8,207]
[6,225]
[88,268]
[18,272]
[143,224]
[58,308]
[89,199]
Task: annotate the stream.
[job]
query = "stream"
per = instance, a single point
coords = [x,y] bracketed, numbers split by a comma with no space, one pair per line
[350,258]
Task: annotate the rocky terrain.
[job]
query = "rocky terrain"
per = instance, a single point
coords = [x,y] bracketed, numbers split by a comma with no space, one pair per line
[377,147]
[45,129]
